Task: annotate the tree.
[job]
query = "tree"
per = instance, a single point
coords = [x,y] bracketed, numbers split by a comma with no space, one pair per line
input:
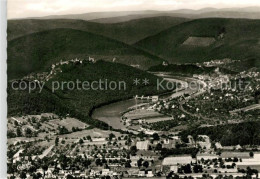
[11,168]
[10,134]
[128,164]
[170,175]
[28,132]
[16,123]
[19,132]
[141,135]
[57,141]
[158,146]
[81,141]
[70,177]
[63,130]
[156,136]
[139,162]
[187,168]
[197,169]
[23,175]
[146,164]
[98,162]
[45,168]
[133,150]
[89,138]
[111,136]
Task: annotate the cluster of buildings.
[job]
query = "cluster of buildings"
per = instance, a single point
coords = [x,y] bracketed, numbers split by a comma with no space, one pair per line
[218,62]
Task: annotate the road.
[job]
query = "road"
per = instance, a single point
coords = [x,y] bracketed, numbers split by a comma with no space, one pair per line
[248,108]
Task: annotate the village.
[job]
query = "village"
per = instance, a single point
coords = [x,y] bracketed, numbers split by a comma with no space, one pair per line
[151,145]
[77,150]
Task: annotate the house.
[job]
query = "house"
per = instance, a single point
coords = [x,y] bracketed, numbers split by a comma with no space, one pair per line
[218,145]
[141,173]
[169,143]
[133,172]
[149,174]
[135,66]
[165,63]
[173,161]
[142,145]
[155,98]
[191,140]
[91,60]
[243,155]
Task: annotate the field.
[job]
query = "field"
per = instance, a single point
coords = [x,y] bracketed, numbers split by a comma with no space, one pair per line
[199,41]
[157,119]
[141,114]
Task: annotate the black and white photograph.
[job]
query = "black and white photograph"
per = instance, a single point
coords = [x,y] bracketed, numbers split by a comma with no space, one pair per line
[114,89]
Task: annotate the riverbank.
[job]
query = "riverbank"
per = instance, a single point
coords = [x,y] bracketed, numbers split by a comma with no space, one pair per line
[112,113]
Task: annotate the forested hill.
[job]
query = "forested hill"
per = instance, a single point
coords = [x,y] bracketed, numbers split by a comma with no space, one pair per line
[79,102]
[38,51]
[206,39]
[128,32]
[246,133]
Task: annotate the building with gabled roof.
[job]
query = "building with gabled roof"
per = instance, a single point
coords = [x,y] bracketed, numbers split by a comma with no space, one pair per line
[142,145]
[170,161]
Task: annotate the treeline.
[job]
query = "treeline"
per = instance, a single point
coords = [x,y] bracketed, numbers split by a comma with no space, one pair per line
[246,133]
[179,151]
[163,125]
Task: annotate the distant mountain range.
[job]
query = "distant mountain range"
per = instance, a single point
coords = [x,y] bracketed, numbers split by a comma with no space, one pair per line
[121,16]
[128,32]
[35,44]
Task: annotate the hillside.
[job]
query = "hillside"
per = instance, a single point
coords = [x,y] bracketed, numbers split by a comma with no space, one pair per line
[246,133]
[128,32]
[187,69]
[38,51]
[234,38]
[79,102]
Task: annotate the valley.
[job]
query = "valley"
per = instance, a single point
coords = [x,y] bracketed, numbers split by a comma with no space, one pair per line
[189,106]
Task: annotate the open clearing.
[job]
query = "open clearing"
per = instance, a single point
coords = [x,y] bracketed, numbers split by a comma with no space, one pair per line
[157,119]
[199,41]
[141,114]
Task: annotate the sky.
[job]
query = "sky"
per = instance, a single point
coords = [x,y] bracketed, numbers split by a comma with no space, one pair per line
[39,8]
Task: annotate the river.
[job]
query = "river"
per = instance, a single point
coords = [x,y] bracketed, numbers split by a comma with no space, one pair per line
[111,113]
